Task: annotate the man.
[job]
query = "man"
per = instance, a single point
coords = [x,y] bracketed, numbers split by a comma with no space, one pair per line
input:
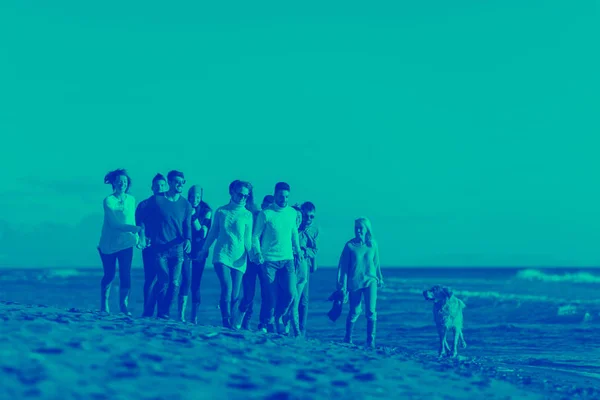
[193,265]
[277,228]
[159,186]
[171,219]
[246,307]
[308,235]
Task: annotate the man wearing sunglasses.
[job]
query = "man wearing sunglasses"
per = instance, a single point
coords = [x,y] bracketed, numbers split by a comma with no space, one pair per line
[171,218]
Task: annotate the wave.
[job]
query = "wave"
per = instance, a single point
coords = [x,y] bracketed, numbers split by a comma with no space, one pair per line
[537,275]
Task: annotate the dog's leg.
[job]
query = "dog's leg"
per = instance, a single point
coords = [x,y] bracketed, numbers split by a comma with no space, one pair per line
[443,344]
[455,343]
[462,340]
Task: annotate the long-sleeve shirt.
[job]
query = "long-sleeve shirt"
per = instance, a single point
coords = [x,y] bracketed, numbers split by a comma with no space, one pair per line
[171,221]
[308,243]
[359,266]
[275,234]
[119,220]
[232,230]
[203,215]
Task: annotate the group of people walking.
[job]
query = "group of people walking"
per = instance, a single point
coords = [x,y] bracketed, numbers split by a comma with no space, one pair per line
[275,245]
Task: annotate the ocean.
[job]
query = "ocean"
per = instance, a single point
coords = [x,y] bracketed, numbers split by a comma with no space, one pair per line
[545,320]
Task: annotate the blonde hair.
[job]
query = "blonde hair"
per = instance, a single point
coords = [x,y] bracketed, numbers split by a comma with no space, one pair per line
[369,235]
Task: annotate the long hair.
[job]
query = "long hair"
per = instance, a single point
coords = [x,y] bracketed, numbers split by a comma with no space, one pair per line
[112,176]
[251,202]
[369,235]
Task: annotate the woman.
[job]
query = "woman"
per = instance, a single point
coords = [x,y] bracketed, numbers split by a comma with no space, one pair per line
[193,267]
[359,274]
[232,230]
[119,236]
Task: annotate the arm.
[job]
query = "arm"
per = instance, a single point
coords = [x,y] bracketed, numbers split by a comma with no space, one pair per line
[248,236]
[113,221]
[376,262]
[311,247]
[187,222]
[212,234]
[342,280]
[296,241]
[257,232]
[206,223]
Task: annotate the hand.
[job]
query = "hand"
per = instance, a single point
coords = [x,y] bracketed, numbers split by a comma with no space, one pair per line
[313,268]
[380,282]
[187,247]
[136,229]
[260,259]
[193,211]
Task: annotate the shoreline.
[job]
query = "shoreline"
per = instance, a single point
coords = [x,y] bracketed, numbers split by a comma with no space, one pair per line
[118,354]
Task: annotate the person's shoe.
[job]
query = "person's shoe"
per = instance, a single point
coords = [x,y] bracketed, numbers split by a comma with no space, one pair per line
[262,328]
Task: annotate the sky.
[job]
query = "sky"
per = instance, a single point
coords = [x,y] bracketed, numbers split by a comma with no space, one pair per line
[468,132]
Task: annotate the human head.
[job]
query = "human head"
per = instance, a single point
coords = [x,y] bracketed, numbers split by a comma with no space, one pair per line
[119,179]
[308,213]
[267,201]
[159,184]
[195,195]
[282,193]
[363,230]
[176,181]
[239,191]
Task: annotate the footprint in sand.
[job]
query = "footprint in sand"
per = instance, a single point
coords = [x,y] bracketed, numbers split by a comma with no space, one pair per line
[366,377]
[349,368]
[338,383]
[49,350]
[241,382]
[303,375]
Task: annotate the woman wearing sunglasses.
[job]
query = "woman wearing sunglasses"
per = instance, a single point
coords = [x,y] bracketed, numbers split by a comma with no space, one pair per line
[232,230]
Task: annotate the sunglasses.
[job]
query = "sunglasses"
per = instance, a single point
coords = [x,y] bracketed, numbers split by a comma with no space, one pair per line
[243,195]
[179,181]
[310,216]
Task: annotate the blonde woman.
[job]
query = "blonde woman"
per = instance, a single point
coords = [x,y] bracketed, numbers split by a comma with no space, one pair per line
[359,275]
[232,230]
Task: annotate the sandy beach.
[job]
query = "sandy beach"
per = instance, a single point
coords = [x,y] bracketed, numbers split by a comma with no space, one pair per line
[52,353]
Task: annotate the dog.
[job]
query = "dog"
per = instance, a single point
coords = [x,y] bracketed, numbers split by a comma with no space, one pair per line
[448,315]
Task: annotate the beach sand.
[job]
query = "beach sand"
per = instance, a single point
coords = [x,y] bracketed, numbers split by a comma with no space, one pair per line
[52,353]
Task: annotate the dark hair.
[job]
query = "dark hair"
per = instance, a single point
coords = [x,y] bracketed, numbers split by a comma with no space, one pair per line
[158,177]
[269,199]
[308,207]
[237,185]
[175,174]
[297,207]
[112,176]
[282,186]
